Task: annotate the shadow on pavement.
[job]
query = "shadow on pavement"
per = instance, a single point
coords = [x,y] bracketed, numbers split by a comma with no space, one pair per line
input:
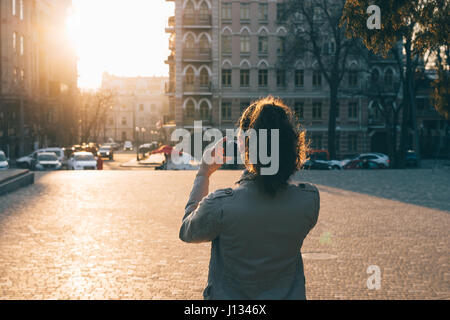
[423,187]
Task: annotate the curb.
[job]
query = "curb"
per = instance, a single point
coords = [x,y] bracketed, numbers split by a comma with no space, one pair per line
[16,181]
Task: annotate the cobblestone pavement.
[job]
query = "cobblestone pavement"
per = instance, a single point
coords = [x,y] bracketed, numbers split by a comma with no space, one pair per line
[114,235]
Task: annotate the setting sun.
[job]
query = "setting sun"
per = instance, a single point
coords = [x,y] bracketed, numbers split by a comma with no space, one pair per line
[122,37]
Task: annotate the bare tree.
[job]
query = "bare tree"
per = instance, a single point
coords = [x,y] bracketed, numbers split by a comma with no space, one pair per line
[315,33]
[93,110]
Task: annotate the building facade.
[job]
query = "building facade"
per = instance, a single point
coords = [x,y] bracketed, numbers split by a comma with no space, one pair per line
[138,104]
[225,55]
[38,79]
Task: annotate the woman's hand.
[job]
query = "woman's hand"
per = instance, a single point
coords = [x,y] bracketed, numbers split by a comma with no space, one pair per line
[213,159]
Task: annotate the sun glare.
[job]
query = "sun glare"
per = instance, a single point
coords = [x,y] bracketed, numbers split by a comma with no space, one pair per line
[122,37]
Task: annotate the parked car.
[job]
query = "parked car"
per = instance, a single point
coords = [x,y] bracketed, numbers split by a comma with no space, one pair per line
[316,165]
[3,161]
[82,161]
[26,162]
[376,157]
[147,147]
[347,158]
[364,164]
[106,152]
[411,158]
[322,156]
[43,161]
[128,146]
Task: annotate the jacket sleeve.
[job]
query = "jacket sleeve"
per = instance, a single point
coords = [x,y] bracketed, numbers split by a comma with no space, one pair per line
[203,215]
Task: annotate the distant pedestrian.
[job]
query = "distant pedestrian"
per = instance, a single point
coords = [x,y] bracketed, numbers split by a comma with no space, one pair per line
[257,228]
[99,163]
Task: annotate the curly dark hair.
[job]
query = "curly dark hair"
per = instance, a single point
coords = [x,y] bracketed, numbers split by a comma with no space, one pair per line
[271,113]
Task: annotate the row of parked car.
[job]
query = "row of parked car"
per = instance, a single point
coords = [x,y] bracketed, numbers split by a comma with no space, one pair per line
[318,160]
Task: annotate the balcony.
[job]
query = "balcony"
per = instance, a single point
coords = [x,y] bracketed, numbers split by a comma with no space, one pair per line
[197,88]
[188,120]
[197,21]
[197,54]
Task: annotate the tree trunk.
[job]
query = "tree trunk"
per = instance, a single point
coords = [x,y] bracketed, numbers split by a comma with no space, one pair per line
[332,119]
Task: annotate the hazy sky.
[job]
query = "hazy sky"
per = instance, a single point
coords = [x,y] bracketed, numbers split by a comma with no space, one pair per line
[122,37]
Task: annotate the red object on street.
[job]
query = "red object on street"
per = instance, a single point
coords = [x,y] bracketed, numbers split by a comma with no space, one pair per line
[163,149]
[99,163]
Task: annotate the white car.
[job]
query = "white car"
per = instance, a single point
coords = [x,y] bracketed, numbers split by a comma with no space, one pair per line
[82,161]
[376,157]
[128,146]
[4,165]
[26,162]
[46,161]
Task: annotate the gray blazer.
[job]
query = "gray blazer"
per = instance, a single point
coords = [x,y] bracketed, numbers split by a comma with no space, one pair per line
[256,240]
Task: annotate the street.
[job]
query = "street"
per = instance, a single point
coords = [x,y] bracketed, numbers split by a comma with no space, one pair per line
[114,235]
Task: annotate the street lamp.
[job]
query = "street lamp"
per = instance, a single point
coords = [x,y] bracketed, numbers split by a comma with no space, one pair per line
[137,141]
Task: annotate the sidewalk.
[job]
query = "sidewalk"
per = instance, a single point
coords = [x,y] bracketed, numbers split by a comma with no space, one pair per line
[13,179]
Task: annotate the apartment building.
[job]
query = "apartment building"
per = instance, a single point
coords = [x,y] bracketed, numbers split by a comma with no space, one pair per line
[38,81]
[226,53]
[139,103]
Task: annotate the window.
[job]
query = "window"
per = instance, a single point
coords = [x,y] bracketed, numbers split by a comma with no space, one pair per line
[317,15]
[245,11]
[190,109]
[21,45]
[317,111]
[204,78]
[352,110]
[280,11]
[226,77]
[141,107]
[13,5]
[226,110]
[352,143]
[245,44]
[328,48]
[124,121]
[226,44]
[388,77]
[245,78]
[299,78]
[281,78]
[226,11]
[263,12]
[204,42]
[375,76]
[189,10]
[317,79]
[22,75]
[353,78]
[204,111]
[204,11]
[262,78]
[281,46]
[263,45]
[190,42]
[124,136]
[299,110]
[189,78]
[111,121]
